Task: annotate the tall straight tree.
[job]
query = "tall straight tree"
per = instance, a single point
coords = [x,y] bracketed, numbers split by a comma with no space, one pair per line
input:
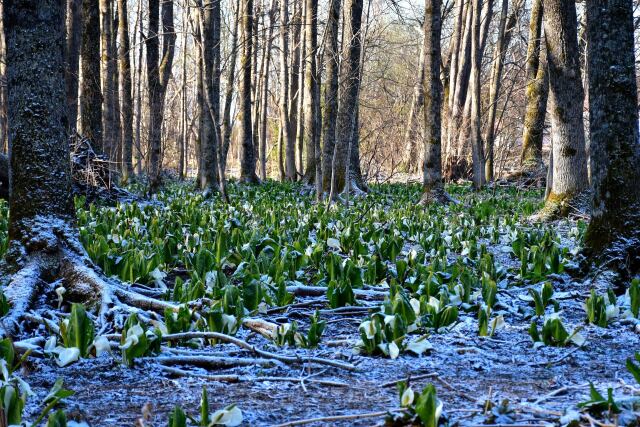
[433,189]
[476,64]
[247,150]
[90,93]
[107,74]
[613,234]
[126,102]
[332,66]
[72,59]
[158,74]
[312,91]
[350,80]
[537,93]
[285,126]
[213,175]
[569,179]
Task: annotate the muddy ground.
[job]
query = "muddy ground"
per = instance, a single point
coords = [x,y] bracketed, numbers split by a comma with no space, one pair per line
[467,371]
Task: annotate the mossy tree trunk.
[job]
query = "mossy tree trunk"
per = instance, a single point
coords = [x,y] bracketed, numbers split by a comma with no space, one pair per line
[613,235]
[537,93]
[566,98]
[91,93]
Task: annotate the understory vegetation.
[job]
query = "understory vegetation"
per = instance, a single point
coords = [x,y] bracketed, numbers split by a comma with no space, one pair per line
[283,278]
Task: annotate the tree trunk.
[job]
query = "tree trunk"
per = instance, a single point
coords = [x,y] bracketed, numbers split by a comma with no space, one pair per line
[213,173]
[296,81]
[350,80]
[72,60]
[139,30]
[566,97]
[227,126]
[264,96]
[613,235]
[290,162]
[247,151]
[311,90]
[537,93]
[414,126]
[126,104]
[433,189]
[474,133]
[91,94]
[158,73]
[332,64]
[106,75]
[505,31]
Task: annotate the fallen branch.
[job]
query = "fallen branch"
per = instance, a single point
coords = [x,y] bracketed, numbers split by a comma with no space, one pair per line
[315,291]
[267,354]
[208,362]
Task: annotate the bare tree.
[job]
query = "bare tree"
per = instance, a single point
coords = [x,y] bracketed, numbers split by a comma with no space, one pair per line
[311,92]
[475,135]
[107,74]
[285,125]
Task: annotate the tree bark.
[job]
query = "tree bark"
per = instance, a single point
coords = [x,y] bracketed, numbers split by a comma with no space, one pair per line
[72,60]
[158,74]
[566,97]
[433,189]
[296,81]
[312,91]
[91,94]
[332,65]
[537,93]
[290,162]
[247,151]
[126,103]
[350,80]
[139,30]
[474,133]
[264,96]
[613,235]
[107,72]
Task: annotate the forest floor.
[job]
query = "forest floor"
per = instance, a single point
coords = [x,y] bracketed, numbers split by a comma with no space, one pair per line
[499,380]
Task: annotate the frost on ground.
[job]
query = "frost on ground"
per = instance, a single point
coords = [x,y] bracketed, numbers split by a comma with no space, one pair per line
[290,259]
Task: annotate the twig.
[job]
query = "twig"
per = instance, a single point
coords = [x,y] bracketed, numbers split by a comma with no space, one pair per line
[558,360]
[337,418]
[411,378]
[557,392]
[267,354]
[209,362]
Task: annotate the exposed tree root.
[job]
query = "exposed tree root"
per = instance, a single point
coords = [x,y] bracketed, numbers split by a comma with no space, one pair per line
[60,258]
[562,206]
[263,353]
[436,195]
